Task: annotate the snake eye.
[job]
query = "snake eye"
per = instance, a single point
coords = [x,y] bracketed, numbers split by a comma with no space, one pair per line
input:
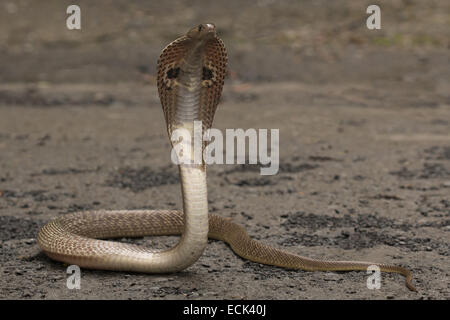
[200,27]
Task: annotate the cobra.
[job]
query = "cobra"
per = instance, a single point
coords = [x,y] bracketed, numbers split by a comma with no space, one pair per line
[191,72]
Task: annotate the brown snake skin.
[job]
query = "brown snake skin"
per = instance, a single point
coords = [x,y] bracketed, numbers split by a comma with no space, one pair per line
[191,72]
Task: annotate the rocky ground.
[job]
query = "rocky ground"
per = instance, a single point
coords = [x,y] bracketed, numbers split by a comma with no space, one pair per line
[364,119]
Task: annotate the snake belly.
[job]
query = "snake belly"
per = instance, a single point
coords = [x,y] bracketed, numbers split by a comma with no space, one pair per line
[191,72]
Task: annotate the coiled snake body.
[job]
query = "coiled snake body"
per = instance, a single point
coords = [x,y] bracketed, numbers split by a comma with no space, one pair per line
[191,72]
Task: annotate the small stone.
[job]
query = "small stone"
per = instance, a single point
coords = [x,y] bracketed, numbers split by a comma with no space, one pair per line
[160,279]
[329,276]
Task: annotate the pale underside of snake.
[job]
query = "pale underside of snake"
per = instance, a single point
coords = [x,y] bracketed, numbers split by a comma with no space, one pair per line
[191,72]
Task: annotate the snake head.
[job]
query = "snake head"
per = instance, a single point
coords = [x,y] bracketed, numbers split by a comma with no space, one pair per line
[191,72]
[203,31]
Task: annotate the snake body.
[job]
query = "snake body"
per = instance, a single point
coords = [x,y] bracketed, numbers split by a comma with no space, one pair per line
[191,72]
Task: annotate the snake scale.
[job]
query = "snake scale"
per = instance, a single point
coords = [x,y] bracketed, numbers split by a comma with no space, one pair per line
[191,72]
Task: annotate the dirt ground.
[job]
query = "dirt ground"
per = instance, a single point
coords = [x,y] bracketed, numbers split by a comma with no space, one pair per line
[364,119]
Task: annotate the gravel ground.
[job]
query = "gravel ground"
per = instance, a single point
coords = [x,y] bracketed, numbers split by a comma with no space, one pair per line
[364,119]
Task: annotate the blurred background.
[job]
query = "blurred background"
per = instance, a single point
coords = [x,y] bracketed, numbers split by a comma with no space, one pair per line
[315,41]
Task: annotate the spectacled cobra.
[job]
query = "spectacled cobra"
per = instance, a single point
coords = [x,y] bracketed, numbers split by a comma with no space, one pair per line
[191,72]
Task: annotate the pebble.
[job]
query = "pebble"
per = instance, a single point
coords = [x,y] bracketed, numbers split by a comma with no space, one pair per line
[160,279]
[329,276]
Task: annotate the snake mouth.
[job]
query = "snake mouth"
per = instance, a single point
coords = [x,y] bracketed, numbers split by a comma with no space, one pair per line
[202,31]
[208,27]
